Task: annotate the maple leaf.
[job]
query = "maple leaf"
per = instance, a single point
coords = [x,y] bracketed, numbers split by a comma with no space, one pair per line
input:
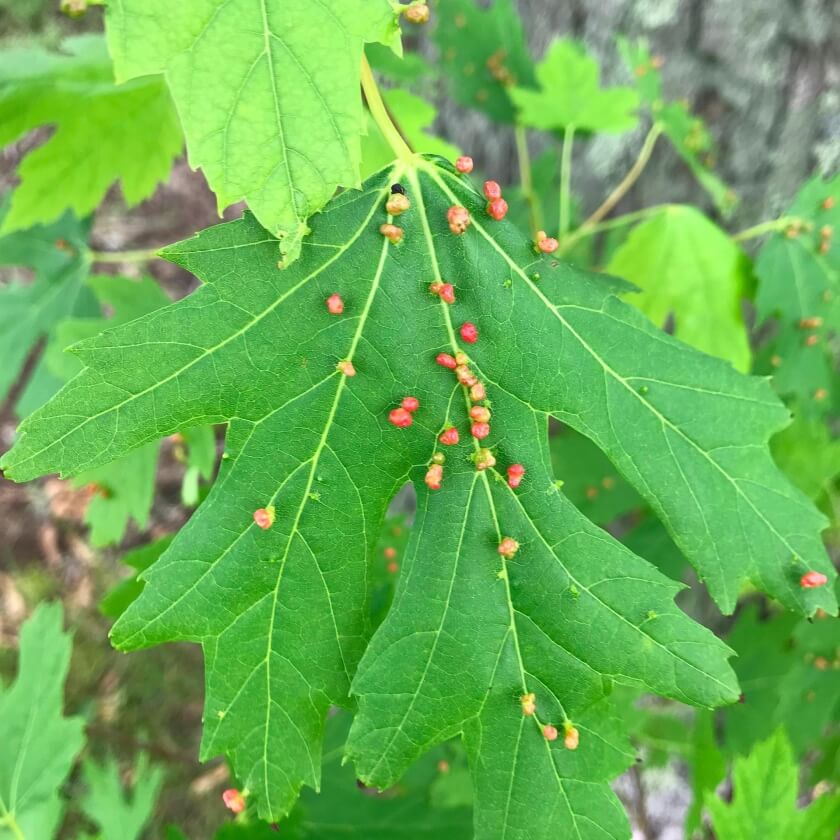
[39,744]
[104,132]
[764,799]
[282,612]
[688,267]
[281,128]
[483,54]
[570,95]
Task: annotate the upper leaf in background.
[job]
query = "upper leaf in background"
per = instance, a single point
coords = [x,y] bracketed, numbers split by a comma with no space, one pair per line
[39,744]
[413,115]
[799,284]
[120,815]
[407,68]
[483,54]
[765,790]
[570,95]
[282,613]
[808,454]
[688,268]
[104,132]
[30,311]
[688,133]
[268,94]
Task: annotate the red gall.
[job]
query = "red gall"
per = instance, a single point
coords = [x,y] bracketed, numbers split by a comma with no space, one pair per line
[484,460]
[410,403]
[546,244]
[400,417]
[458,218]
[478,393]
[480,414]
[443,766]
[571,736]
[447,361]
[465,376]
[438,458]
[397,203]
[434,476]
[480,430]
[264,517]
[392,233]
[335,305]
[435,286]
[515,474]
[497,209]
[390,552]
[449,437]
[549,732]
[508,548]
[469,332]
[346,367]
[492,190]
[464,164]
[447,293]
[529,703]
[234,800]
[813,580]
[393,567]
[417,14]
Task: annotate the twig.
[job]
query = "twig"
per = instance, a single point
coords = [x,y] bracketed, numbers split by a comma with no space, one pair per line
[525,179]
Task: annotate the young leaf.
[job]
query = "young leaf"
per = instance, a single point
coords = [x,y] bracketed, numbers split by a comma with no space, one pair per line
[708,767]
[115,602]
[799,284]
[407,68]
[281,610]
[686,132]
[483,53]
[808,455]
[764,799]
[39,744]
[120,817]
[29,312]
[689,268]
[104,132]
[268,94]
[570,95]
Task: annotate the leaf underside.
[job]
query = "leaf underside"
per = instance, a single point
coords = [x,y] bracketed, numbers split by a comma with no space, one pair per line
[282,614]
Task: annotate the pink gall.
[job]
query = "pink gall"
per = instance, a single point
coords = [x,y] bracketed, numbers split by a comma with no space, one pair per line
[469,332]
[480,414]
[508,548]
[390,552]
[497,209]
[234,800]
[400,418]
[546,244]
[464,164]
[484,460]
[458,218]
[492,190]
[478,393]
[480,430]
[392,233]
[335,305]
[447,293]
[515,474]
[397,204]
[346,367]
[465,376]
[449,437]
[813,580]
[571,737]
[434,476]
[264,517]
[529,704]
[393,567]
[410,403]
[447,361]
[417,14]
[549,732]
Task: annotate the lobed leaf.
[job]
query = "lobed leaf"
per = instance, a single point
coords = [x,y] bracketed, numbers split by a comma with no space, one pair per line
[283,614]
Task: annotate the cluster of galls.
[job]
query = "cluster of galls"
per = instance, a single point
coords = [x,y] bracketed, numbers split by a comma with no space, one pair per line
[571,736]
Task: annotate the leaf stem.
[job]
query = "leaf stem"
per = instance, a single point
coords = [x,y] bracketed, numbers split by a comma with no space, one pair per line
[525,179]
[8,820]
[142,255]
[621,190]
[566,178]
[766,227]
[380,114]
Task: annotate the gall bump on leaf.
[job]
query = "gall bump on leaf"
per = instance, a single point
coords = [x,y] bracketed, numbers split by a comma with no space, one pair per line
[469,332]
[335,305]
[464,164]
[234,800]
[264,517]
[449,437]
[400,417]
[813,580]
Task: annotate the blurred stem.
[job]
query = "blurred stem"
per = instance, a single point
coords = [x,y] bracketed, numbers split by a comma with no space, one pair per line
[616,222]
[566,178]
[526,181]
[380,114]
[124,256]
[767,227]
[621,190]
[8,820]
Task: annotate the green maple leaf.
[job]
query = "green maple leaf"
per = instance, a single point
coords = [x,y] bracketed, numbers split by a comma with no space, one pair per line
[764,799]
[483,54]
[808,454]
[39,744]
[686,132]
[689,268]
[268,94]
[104,132]
[570,95]
[799,285]
[30,312]
[282,613]
[120,817]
